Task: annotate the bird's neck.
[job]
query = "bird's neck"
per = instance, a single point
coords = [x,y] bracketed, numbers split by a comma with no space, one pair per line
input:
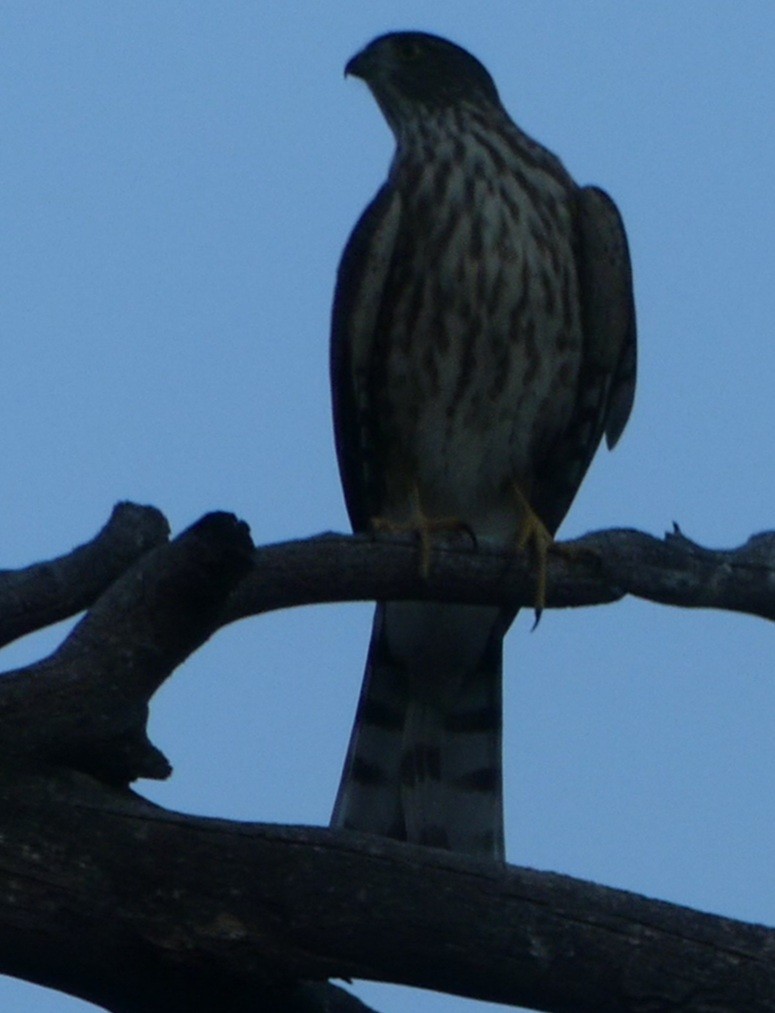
[485,141]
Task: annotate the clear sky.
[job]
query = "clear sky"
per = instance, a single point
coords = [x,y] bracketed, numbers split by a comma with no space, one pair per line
[178,181]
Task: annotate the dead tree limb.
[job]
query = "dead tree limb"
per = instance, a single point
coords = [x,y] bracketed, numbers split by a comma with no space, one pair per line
[188,908]
[601,567]
[110,898]
[44,593]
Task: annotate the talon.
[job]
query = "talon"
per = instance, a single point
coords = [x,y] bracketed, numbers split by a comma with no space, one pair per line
[424,528]
[534,533]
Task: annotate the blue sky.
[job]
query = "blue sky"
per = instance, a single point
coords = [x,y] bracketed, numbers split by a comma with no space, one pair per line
[178,181]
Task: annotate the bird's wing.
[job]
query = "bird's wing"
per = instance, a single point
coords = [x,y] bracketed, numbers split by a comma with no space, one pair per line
[606,386]
[608,306]
[358,300]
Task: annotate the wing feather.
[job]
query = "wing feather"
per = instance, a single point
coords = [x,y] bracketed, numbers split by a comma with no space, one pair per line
[606,385]
[605,275]
[358,300]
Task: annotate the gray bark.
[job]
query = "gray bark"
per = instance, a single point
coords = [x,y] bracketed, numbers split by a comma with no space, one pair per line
[110,898]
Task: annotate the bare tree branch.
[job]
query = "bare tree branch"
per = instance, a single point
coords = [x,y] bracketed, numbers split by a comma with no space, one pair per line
[209,906]
[677,571]
[47,592]
[87,704]
[110,898]
[597,569]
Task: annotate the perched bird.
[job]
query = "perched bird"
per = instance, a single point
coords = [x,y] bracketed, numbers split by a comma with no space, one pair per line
[483,340]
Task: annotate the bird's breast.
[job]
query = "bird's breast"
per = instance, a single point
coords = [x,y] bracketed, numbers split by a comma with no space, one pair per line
[481,340]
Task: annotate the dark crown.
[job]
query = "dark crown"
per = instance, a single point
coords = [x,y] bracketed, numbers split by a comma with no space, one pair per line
[420,68]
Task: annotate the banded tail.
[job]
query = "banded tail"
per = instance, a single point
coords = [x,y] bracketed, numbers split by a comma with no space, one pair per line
[424,761]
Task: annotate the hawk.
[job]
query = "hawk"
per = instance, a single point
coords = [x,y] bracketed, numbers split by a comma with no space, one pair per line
[483,341]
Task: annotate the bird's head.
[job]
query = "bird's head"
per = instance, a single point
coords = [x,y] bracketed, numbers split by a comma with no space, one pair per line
[412,73]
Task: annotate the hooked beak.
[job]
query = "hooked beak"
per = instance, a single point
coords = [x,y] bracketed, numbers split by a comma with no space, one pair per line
[358,66]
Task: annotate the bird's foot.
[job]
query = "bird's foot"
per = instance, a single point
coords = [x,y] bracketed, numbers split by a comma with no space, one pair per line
[533,535]
[425,528]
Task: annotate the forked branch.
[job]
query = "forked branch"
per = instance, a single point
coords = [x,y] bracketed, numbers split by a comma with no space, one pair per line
[110,898]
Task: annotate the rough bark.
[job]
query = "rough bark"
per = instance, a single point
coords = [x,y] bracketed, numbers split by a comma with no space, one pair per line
[46,592]
[135,908]
[126,902]
[599,568]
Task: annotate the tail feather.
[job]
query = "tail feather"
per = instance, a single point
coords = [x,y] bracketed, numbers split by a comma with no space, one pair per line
[424,762]
[369,796]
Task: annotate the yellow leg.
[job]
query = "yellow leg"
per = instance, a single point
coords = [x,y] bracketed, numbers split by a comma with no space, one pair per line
[421,525]
[534,534]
